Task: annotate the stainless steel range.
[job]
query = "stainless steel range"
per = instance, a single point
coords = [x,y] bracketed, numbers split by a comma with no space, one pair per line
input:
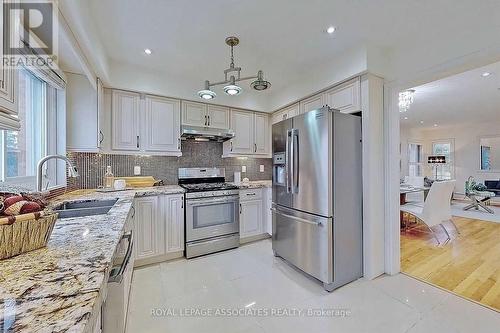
[212,211]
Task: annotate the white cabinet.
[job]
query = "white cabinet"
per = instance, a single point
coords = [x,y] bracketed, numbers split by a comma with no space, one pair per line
[8,75]
[251,213]
[242,123]
[162,125]
[312,103]
[148,228]
[288,112]
[268,216]
[81,109]
[173,206]
[261,134]
[218,117]
[345,97]
[252,134]
[250,218]
[158,228]
[205,115]
[194,114]
[125,121]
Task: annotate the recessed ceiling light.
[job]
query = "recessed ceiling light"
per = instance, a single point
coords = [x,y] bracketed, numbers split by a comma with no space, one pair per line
[331,29]
[485,74]
[148,51]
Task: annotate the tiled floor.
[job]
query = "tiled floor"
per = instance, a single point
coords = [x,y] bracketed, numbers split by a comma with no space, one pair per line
[251,278]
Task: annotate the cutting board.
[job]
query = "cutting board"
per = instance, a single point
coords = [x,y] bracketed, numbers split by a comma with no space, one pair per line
[139,181]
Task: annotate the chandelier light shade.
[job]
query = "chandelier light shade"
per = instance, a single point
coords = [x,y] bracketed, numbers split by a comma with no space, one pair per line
[406,98]
[233,75]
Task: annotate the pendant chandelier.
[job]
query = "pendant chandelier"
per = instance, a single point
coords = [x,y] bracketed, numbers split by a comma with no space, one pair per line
[406,98]
[232,75]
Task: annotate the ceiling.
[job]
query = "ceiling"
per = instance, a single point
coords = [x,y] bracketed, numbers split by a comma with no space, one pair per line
[458,99]
[284,38]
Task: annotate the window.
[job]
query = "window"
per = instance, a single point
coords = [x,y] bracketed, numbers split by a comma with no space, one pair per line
[21,150]
[444,148]
[415,159]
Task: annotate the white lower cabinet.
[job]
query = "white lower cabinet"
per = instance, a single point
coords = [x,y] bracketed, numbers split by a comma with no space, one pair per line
[268,215]
[158,228]
[148,228]
[251,214]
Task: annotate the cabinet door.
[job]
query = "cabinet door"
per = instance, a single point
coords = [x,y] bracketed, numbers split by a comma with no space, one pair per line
[8,75]
[250,218]
[149,231]
[81,108]
[267,214]
[194,114]
[278,116]
[162,124]
[218,117]
[174,233]
[262,134]
[242,123]
[125,120]
[312,103]
[345,97]
[100,110]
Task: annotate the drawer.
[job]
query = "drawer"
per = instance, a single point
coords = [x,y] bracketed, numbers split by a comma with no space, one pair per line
[254,194]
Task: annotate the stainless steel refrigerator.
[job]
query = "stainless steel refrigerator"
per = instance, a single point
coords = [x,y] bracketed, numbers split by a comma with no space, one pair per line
[317,195]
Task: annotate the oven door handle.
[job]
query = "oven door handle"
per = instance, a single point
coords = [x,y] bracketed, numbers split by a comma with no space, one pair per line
[118,277]
[194,202]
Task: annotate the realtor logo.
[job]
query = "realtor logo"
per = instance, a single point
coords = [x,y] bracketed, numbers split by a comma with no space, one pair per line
[30,33]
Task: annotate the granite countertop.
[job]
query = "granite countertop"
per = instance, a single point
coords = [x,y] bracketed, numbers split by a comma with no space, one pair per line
[255,184]
[59,288]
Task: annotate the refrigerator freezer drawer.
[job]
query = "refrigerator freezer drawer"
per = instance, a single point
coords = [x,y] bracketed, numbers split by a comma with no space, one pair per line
[305,241]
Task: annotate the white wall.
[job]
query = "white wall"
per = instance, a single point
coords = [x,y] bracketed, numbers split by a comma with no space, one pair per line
[467,152]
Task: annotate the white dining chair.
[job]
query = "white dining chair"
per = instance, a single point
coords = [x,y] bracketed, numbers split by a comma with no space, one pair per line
[436,208]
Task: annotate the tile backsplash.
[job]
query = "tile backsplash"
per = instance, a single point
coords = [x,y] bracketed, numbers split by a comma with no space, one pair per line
[92,166]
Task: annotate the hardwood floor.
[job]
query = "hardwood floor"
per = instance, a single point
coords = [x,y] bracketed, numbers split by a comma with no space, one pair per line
[468,265]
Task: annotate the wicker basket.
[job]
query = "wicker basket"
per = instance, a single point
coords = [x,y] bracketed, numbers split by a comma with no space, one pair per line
[25,233]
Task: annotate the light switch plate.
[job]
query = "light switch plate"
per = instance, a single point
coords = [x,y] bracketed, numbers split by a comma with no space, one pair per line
[243,168]
[137,170]
[261,168]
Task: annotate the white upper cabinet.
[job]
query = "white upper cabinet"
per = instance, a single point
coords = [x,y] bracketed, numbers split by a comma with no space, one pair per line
[242,123]
[262,134]
[312,103]
[345,97]
[8,77]
[162,124]
[125,120]
[288,112]
[205,115]
[252,134]
[81,108]
[218,117]
[194,114]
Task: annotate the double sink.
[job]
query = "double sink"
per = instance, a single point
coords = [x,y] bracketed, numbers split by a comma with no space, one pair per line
[84,208]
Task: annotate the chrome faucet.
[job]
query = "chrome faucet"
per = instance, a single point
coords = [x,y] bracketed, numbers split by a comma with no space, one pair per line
[72,171]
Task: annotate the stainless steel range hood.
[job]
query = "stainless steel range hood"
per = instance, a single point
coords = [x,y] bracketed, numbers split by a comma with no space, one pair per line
[205,134]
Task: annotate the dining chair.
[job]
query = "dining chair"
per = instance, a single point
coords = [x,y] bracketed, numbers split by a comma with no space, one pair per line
[436,208]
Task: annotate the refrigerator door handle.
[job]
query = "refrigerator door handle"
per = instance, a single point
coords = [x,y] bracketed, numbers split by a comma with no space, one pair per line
[316,223]
[288,163]
[295,161]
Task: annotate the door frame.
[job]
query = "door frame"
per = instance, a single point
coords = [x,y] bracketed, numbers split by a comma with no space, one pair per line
[392,139]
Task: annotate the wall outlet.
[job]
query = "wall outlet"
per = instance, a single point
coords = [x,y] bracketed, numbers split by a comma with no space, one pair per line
[137,170]
[243,168]
[261,168]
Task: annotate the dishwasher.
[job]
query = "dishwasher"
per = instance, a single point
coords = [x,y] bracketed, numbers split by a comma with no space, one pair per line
[114,310]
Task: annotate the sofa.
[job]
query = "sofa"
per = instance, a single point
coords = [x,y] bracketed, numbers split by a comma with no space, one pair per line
[493,186]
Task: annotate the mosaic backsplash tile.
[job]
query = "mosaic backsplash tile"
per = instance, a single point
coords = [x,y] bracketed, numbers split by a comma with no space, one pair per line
[92,166]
